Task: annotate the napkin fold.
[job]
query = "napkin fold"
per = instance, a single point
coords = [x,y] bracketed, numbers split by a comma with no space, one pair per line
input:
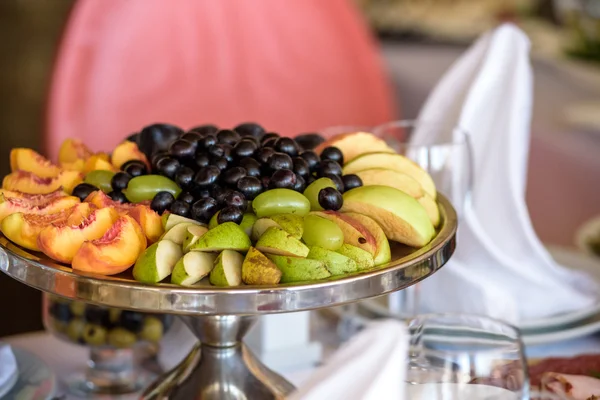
[8,366]
[371,366]
[500,267]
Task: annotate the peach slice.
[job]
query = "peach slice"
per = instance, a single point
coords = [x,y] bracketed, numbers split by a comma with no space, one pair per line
[24,228]
[127,151]
[61,241]
[34,199]
[101,199]
[114,252]
[73,150]
[355,233]
[97,162]
[9,205]
[149,220]
[22,159]
[27,182]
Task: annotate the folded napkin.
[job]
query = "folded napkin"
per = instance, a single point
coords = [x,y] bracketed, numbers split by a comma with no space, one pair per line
[371,366]
[8,367]
[500,267]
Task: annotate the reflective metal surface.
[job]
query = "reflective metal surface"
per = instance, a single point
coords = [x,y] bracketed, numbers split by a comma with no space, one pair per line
[221,368]
[408,267]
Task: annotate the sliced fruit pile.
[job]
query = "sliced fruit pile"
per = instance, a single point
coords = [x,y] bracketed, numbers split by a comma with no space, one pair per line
[237,206]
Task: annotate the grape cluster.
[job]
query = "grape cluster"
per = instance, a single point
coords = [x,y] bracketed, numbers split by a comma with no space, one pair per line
[223,169]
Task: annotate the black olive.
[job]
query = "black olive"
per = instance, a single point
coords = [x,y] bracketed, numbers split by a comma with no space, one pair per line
[132,321]
[351,181]
[230,214]
[250,187]
[162,201]
[83,190]
[204,209]
[330,199]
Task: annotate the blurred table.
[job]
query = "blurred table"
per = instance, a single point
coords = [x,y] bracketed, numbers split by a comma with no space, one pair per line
[564,167]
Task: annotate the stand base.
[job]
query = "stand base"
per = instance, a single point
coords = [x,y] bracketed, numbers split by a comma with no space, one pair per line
[221,367]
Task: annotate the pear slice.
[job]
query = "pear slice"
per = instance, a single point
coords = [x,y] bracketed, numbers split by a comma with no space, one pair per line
[388,177]
[257,269]
[177,233]
[227,236]
[248,222]
[336,263]
[400,216]
[431,208]
[170,220]
[157,262]
[277,241]
[394,162]
[260,227]
[227,269]
[291,223]
[213,220]
[192,267]
[295,269]
[194,233]
[364,260]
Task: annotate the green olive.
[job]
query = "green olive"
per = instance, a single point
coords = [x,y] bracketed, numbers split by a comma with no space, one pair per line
[94,335]
[77,308]
[75,329]
[101,179]
[152,330]
[114,314]
[145,187]
[280,201]
[312,192]
[121,338]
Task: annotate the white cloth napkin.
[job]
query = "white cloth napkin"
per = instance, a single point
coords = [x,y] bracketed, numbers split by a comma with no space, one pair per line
[8,366]
[500,267]
[371,366]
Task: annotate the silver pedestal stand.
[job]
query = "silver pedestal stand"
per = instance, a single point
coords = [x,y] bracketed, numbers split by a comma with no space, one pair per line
[220,366]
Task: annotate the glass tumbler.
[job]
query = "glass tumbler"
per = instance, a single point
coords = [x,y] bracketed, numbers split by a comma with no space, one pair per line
[460,356]
[118,340]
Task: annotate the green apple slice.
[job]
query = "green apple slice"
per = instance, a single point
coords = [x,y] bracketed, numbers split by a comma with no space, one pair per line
[395,162]
[192,267]
[194,233]
[336,263]
[295,269]
[227,269]
[257,269]
[383,253]
[364,259]
[157,262]
[170,220]
[277,241]
[178,233]
[401,217]
[227,236]
[395,179]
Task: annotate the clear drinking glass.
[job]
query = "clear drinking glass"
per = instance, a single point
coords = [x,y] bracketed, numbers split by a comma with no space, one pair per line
[119,342]
[460,357]
[444,151]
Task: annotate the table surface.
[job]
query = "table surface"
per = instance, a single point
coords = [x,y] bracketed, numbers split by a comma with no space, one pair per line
[66,358]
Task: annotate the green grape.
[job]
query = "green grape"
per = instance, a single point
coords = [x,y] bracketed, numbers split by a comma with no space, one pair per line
[319,231]
[101,179]
[145,187]
[94,335]
[152,330]
[312,192]
[77,308]
[121,338]
[280,201]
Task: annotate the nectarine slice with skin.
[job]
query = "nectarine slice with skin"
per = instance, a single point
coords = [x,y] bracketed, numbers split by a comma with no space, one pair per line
[24,229]
[355,233]
[34,199]
[114,252]
[10,205]
[97,162]
[60,241]
[127,151]
[27,182]
[22,159]
[72,150]
[149,221]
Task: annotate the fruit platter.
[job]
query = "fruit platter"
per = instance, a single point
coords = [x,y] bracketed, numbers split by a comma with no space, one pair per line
[217,225]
